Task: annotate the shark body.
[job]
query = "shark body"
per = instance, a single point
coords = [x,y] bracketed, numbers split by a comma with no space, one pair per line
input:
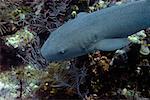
[105,30]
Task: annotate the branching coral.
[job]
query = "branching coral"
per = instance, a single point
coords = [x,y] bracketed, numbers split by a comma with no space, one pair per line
[3,28]
[5,18]
[20,82]
[62,76]
[20,38]
[88,77]
[138,38]
[46,15]
[31,54]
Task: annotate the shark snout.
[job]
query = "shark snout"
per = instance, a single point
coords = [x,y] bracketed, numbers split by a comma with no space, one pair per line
[48,51]
[52,52]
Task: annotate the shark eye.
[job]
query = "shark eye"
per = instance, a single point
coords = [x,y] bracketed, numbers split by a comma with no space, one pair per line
[62,51]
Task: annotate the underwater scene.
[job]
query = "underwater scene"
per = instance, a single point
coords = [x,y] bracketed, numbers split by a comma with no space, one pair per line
[74,49]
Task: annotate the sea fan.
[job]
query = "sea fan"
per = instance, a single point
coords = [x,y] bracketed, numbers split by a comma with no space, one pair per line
[46,15]
[3,28]
[9,2]
[5,18]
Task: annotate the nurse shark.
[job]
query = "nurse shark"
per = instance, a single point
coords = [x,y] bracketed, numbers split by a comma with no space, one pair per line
[104,30]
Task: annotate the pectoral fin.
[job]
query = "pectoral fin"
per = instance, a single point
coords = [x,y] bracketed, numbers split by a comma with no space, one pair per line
[110,44]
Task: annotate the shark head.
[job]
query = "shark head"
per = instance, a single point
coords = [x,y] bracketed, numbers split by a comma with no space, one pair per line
[65,42]
[60,47]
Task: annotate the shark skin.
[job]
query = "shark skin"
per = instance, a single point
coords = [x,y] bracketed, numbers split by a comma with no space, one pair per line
[105,30]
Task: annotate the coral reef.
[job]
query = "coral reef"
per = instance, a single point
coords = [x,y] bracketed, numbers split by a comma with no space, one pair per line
[26,75]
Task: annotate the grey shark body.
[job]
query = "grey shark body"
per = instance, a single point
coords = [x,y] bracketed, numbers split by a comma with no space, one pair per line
[105,30]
